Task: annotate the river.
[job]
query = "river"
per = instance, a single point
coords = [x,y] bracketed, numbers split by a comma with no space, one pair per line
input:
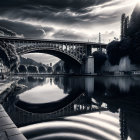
[76,108]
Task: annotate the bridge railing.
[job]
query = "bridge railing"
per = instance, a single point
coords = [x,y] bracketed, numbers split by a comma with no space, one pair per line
[77,53]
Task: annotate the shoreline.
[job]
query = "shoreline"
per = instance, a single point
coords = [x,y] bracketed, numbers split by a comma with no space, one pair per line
[5,89]
[92,75]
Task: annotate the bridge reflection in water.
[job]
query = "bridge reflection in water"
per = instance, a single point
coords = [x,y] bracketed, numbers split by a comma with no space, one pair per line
[111,108]
[79,106]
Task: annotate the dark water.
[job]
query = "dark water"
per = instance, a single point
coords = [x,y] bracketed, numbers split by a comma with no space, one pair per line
[77,108]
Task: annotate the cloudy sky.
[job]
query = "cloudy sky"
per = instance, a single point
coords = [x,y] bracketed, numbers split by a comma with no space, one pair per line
[63,19]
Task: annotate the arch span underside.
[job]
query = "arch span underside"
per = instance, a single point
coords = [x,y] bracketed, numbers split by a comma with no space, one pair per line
[71,60]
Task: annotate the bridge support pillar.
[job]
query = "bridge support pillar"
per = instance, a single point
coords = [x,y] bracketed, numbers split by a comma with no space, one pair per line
[88,66]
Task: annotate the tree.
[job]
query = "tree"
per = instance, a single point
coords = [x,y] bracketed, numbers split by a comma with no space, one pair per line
[58,69]
[32,69]
[42,69]
[49,69]
[9,55]
[22,69]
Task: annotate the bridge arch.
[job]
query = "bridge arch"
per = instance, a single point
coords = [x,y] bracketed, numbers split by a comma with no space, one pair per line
[69,59]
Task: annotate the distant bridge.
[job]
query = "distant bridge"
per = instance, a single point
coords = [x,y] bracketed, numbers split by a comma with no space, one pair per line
[72,51]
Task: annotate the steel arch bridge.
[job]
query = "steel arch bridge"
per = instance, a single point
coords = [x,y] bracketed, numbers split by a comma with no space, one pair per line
[71,50]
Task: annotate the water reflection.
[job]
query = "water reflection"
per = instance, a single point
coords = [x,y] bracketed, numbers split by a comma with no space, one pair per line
[84,127]
[47,92]
[113,104]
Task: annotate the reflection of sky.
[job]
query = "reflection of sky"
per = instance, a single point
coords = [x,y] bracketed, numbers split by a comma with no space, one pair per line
[47,92]
[43,94]
[92,126]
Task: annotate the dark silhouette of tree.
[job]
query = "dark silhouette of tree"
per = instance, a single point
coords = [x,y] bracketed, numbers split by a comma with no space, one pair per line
[32,69]
[49,69]
[58,69]
[9,55]
[22,69]
[42,69]
[129,46]
[4,57]
[99,60]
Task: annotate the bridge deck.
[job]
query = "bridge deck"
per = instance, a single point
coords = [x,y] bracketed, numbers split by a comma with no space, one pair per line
[103,45]
[8,130]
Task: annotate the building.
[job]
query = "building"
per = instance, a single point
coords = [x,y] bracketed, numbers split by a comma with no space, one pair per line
[135,72]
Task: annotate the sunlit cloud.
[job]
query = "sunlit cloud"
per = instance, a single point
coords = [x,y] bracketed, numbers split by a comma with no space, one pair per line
[68,20]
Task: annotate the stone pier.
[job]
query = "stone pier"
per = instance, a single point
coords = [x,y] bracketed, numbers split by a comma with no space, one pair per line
[89,65]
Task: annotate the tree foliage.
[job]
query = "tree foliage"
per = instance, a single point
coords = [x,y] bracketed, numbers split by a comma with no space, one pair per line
[32,69]
[9,55]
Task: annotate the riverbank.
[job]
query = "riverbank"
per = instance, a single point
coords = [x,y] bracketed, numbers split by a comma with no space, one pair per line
[8,130]
[92,75]
[6,88]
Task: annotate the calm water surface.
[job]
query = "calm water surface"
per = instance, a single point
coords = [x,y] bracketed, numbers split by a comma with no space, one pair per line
[77,108]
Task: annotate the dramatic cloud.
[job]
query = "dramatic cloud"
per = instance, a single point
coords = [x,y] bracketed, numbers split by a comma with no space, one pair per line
[65,11]
[74,5]
[88,16]
[63,19]
[23,29]
[68,35]
[6,32]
